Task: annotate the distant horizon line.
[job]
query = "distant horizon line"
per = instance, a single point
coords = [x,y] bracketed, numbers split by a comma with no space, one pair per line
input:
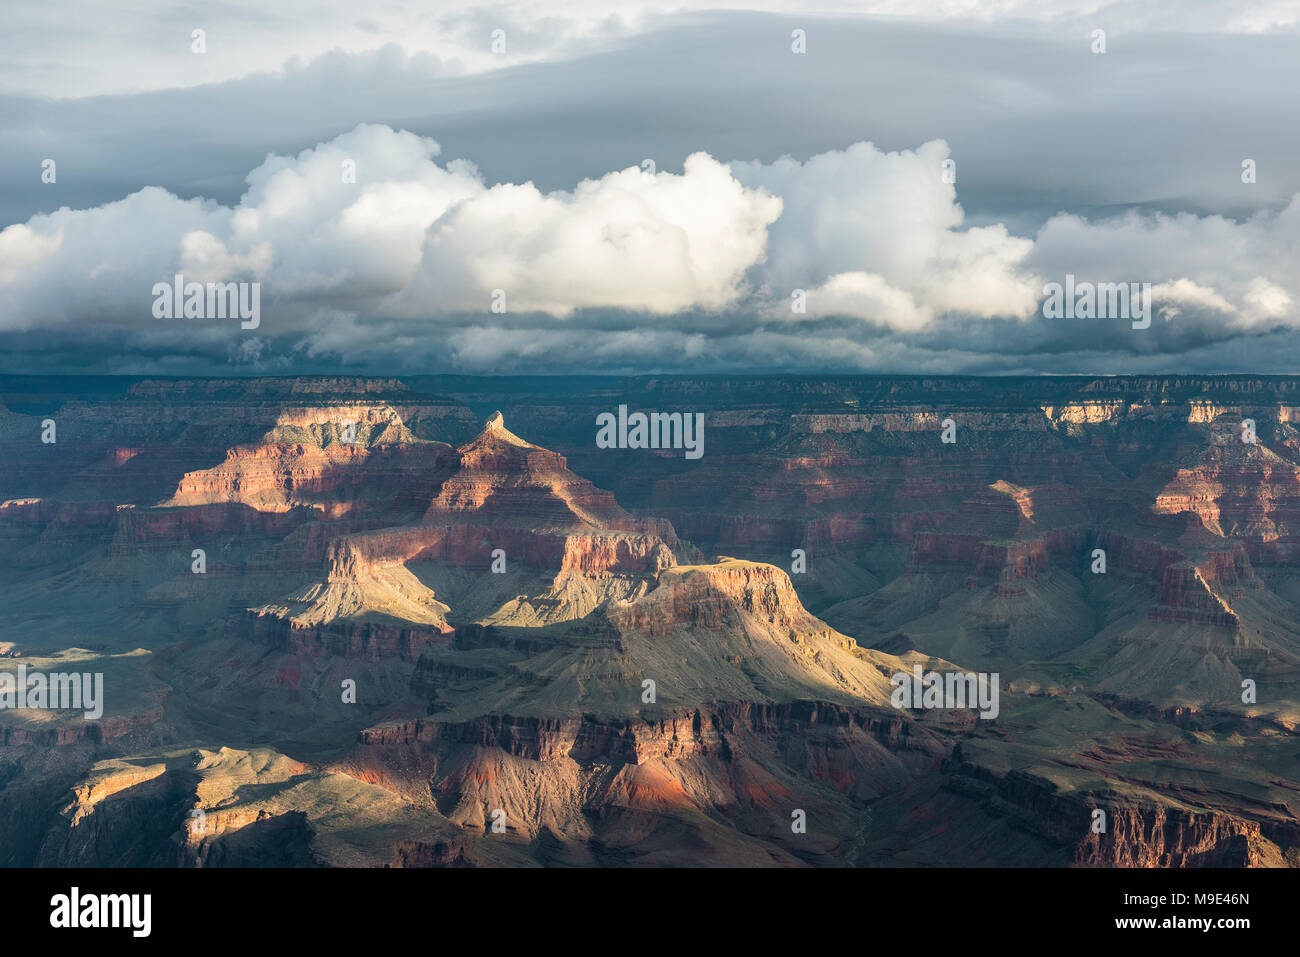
[650,375]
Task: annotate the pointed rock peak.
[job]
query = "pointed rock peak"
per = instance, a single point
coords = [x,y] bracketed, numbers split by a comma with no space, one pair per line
[495,432]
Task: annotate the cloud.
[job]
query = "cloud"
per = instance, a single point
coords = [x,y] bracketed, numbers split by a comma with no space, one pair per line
[733,91]
[23,249]
[633,271]
[869,296]
[655,243]
[1207,265]
[1173,297]
[90,264]
[302,229]
[896,213]
[370,221]
[346,219]
[75,48]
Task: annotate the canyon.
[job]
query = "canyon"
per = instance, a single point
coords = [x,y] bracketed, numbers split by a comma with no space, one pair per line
[436,623]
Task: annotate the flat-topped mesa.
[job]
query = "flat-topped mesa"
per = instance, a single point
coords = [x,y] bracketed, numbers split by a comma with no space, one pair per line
[1026,558]
[730,631]
[1193,591]
[337,457]
[594,552]
[734,631]
[708,595]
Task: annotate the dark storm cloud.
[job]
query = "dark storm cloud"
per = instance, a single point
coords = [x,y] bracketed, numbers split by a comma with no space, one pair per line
[1036,122]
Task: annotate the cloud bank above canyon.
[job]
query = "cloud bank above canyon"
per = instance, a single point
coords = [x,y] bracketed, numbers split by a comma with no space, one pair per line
[377,250]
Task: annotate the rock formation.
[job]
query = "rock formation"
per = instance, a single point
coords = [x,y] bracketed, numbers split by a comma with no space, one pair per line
[353,622]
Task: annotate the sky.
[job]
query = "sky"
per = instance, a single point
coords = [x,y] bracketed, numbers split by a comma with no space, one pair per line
[645,188]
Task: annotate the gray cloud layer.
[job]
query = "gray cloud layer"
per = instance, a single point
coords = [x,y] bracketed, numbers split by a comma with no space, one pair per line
[1109,167]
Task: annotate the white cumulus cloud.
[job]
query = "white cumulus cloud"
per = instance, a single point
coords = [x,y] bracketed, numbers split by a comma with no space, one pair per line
[657,243]
[878,236]
[706,259]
